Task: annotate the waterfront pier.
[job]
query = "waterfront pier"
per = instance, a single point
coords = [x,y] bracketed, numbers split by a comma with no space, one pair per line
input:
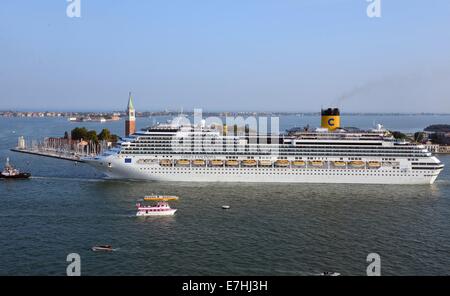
[61,148]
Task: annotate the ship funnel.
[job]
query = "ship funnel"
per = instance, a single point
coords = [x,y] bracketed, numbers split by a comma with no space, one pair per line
[331,119]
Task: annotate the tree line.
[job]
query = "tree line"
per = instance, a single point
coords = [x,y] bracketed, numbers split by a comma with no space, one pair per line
[81,133]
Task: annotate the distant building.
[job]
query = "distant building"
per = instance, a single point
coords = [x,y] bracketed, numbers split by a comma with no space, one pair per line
[433,148]
[21,143]
[130,123]
[444,149]
[115,116]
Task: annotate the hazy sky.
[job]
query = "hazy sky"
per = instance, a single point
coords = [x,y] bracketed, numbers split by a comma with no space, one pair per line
[262,55]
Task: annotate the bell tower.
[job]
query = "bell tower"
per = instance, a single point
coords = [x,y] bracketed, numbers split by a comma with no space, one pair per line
[130,122]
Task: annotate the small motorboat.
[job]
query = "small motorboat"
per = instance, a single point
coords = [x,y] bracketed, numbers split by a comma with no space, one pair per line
[225,207]
[330,273]
[102,248]
[9,172]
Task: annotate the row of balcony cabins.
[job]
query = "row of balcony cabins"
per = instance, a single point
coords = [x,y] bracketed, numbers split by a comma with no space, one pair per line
[268,163]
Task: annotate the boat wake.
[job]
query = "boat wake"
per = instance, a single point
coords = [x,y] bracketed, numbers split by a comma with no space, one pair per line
[67,179]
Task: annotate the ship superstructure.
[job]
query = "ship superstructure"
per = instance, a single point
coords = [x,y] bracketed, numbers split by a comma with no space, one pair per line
[177,151]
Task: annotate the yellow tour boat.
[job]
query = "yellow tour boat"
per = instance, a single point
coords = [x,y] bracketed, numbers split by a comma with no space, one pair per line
[160,197]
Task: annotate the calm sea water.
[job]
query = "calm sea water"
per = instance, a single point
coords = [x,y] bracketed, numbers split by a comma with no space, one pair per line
[271,229]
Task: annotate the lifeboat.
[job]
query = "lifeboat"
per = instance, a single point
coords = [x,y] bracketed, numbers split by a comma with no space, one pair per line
[249,162]
[317,163]
[339,163]
[265,163]
[232,162]
[282,163]
[199,162]
[183,162]
[298,163]
[374,164]
[216,162]
[165,162]
[357,163]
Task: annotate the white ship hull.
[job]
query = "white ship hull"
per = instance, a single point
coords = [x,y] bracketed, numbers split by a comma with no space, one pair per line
[144,213]
[180,151]
[114,168]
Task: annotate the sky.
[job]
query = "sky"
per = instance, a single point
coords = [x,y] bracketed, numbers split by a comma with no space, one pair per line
[218,55]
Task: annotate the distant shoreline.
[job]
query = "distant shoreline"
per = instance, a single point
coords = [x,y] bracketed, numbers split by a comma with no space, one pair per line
[39,114]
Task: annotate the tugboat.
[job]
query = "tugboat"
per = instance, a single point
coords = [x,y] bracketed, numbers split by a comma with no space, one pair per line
[9,172]
[161,208]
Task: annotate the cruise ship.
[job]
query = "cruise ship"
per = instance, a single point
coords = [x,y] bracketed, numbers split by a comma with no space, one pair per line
[179,151]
